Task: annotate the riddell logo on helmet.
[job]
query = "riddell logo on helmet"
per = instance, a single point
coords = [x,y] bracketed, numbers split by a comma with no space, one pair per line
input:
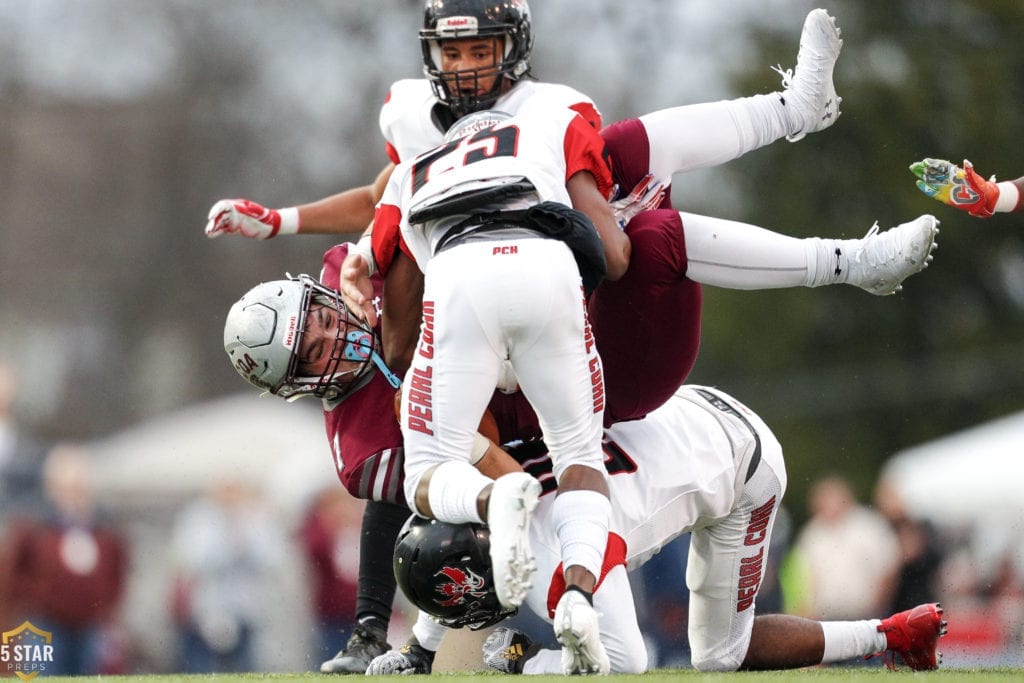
[457,25]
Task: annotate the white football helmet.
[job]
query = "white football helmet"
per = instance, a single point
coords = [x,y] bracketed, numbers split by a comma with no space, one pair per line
[263,334]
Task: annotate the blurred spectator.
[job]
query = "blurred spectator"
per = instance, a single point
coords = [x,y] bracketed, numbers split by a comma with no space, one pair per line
[846,557]
[21,458]
[330,536]
[921,554]
[65,572]
[226,549]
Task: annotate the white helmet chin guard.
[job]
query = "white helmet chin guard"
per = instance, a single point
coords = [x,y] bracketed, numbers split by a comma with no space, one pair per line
[263,334]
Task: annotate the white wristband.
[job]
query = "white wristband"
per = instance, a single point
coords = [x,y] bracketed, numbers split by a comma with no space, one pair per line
[364,248]
[480,445]
[1009,195]
[289,221]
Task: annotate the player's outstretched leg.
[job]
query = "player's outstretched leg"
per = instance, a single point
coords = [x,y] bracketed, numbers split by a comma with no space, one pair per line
[513,498]
[810,96]
[576,629]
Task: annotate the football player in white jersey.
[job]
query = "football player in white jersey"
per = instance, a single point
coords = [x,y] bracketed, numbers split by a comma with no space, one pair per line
[703,464]
[476,55]
[486,217]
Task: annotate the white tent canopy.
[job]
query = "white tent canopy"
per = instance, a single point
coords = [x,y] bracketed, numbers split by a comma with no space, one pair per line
[276,447]
[966,479]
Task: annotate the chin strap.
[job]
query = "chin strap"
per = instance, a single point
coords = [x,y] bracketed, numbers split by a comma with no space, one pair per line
[391,377]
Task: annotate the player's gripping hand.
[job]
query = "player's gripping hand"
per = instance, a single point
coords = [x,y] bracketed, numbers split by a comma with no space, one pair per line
[960,188]
[646,195]
[409,659]
[249,219]
[354,282]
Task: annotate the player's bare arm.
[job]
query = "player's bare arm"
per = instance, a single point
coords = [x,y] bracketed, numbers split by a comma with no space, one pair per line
[587,198]
[402,310]
[347,212]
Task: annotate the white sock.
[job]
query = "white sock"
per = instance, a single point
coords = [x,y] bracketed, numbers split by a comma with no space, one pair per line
[846,640]
[831,258]
[429,633]
[738,255]
[580,519]
[453,492]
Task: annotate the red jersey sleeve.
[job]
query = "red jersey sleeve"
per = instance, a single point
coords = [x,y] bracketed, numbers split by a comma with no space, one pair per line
[387,237]
[584,151]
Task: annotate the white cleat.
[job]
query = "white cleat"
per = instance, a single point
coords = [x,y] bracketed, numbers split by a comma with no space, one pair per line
[513,498]
[810,95]
[577,631]
[883,260]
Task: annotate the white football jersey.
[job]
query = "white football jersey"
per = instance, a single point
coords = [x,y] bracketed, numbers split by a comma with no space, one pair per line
[542,145]
[409,129]
[680,468]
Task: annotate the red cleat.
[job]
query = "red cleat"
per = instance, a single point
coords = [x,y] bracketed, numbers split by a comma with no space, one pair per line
[914,636]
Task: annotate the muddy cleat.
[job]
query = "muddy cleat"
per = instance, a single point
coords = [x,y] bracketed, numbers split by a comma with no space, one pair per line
[513,498]
[883,260]
[506,650]
[365,643]
[810,96]
[914,635]
[577,630]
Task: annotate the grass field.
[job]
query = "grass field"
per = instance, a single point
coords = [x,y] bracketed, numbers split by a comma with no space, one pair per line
[854,675]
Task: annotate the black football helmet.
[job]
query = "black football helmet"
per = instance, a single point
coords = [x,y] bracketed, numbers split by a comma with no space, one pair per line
[445,570]
[452,19]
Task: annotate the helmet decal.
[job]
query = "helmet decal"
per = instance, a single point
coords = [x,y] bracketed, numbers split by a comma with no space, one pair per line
[460,584]
[289,336]
[453,26]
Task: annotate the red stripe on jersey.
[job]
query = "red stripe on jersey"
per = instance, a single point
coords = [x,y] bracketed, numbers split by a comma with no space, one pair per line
[392,153]
[584,151]
[614,555]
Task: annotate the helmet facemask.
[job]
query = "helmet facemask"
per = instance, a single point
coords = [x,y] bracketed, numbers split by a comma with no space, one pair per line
[354,342]
[460,89]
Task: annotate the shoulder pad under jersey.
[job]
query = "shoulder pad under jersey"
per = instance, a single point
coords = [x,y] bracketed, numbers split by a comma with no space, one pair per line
[405,119]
